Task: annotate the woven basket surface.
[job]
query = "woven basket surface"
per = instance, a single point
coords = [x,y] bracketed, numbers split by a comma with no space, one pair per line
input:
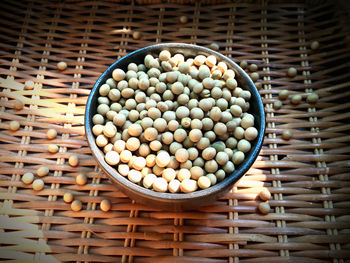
[308,175]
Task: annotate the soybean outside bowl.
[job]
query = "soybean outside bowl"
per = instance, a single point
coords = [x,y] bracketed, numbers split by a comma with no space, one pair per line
[176,201]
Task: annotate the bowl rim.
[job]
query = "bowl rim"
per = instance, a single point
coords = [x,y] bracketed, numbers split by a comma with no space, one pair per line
[113,174]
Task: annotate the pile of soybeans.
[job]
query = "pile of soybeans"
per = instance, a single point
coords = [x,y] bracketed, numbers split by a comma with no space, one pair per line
[174,124]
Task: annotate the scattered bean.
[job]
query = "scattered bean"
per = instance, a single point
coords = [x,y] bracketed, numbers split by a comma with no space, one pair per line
[277,104]
[253,67]
[265,194]
[68,197]
[312,98]
[214,46]
[105,205]
[27,178]
[254,76]
[283,94]
[287,134]
[76,205]
[18,105]
[38,184]
[264,208]
[315,45]
[42,171]
[29,85]
[73,160]
[296,99]
[243,64]
[52,148]
[14,126]
[81,179]
[183,19]
[51,134]
[62,65]
[136,35]
[292,72]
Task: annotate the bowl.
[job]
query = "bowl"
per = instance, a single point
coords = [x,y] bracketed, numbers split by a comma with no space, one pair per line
[176,201]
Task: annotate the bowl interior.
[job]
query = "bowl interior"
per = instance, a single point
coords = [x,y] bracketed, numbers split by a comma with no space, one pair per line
[256,109]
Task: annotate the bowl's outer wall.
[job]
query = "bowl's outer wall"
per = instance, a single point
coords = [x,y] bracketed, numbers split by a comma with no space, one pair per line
[166,200]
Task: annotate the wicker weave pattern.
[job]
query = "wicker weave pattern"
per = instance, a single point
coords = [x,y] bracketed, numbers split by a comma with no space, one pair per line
[308,175]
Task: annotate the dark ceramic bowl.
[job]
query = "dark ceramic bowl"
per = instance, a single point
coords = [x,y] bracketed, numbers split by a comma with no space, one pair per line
[178,201]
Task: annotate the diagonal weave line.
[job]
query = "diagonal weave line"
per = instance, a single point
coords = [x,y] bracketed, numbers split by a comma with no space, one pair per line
[180,236]
[33,106]
[322,177]
[176,235]
[84,249]
[51,198]
[232,202]
[25,139]
[274,171]
[129,242]
[160,24]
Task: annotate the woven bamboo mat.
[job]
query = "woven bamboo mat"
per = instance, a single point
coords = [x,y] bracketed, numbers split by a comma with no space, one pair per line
[308,176]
